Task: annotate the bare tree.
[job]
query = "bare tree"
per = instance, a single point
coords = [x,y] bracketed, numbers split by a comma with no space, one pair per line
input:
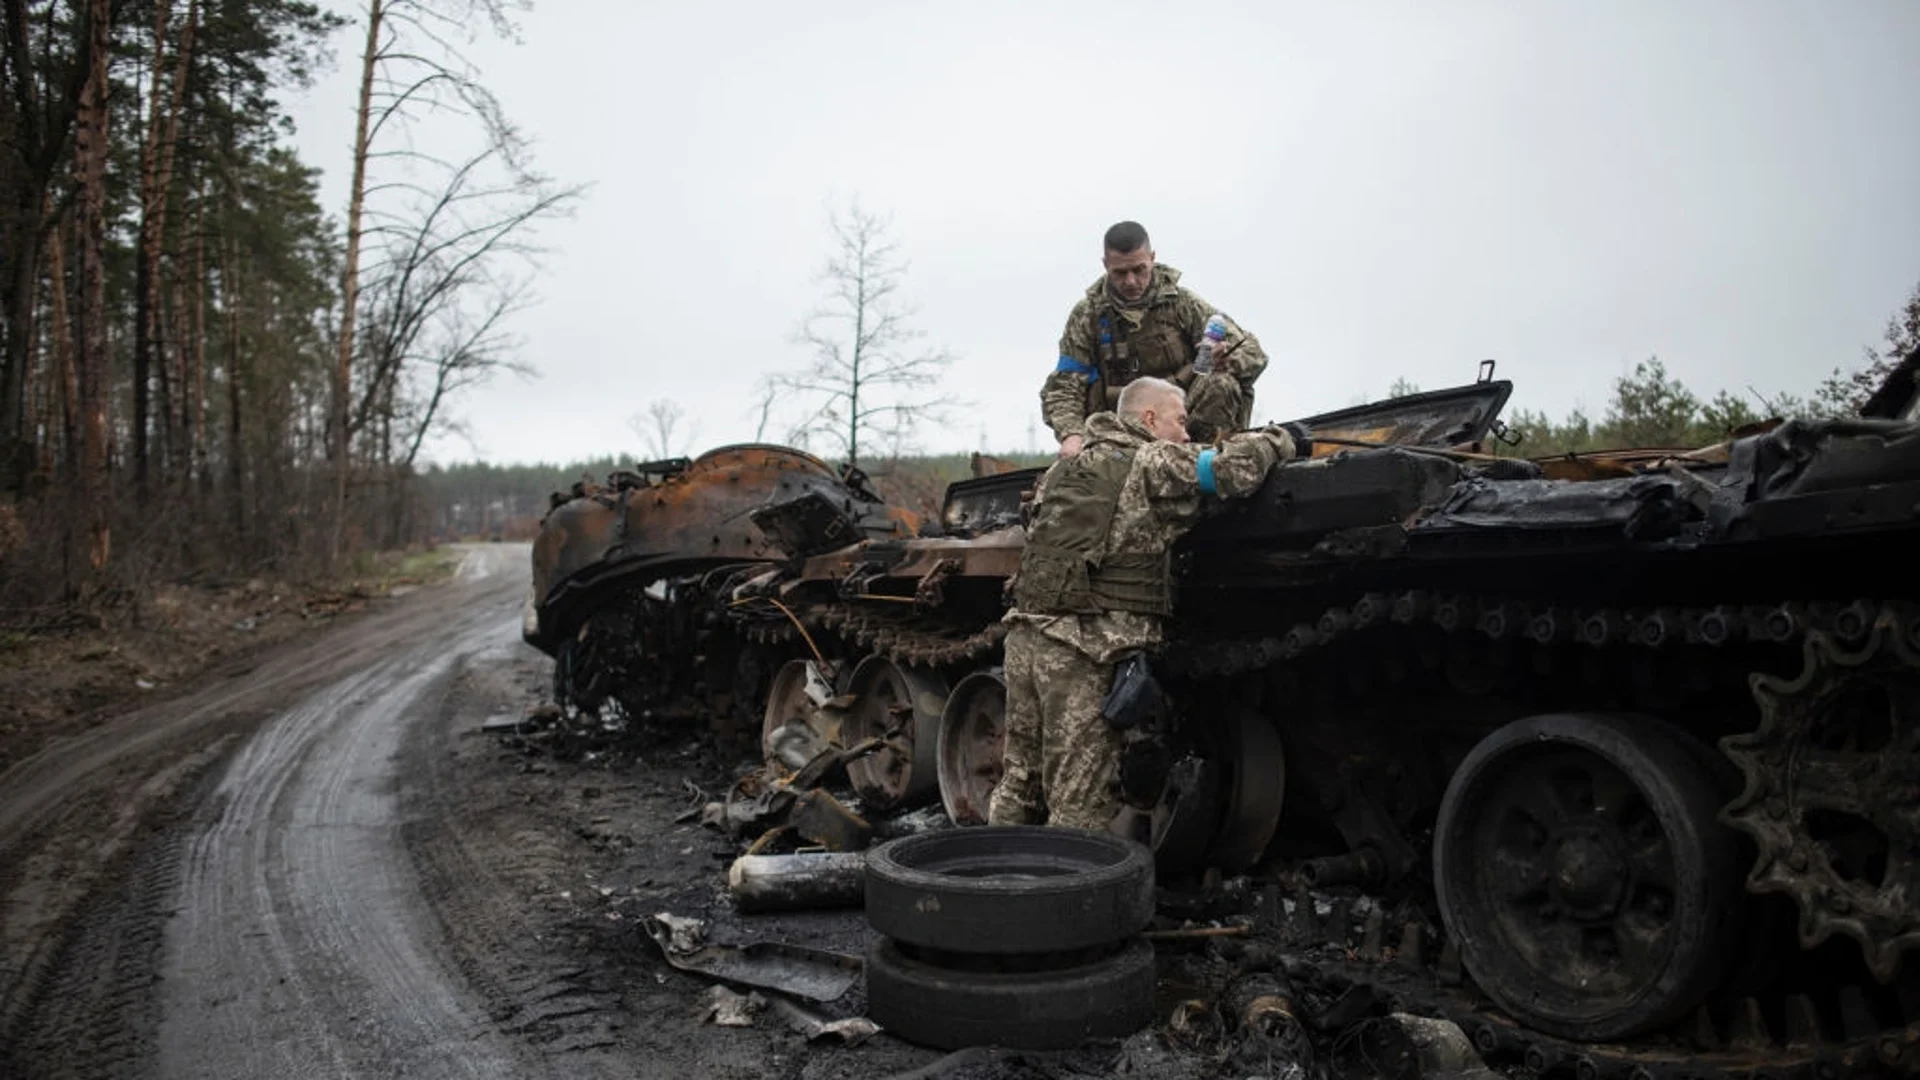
[659,427]
[868,380]
[439,293]
[409,65]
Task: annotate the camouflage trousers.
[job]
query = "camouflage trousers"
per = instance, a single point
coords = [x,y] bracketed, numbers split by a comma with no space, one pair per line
[1217,406]
[1062,758]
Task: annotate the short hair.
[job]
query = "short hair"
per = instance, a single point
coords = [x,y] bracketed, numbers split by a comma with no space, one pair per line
[1126,237]
[1143,393]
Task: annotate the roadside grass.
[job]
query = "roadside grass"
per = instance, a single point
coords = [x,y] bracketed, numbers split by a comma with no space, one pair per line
[62,670]
[380,572]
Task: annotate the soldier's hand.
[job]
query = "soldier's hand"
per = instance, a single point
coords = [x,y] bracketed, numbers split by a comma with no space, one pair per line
[1301,438]
[1070,446]
[1282,441]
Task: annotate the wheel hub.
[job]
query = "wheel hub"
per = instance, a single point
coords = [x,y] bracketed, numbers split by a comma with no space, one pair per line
[1589,878]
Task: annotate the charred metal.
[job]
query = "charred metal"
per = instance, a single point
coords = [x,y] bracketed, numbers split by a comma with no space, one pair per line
[1618,751]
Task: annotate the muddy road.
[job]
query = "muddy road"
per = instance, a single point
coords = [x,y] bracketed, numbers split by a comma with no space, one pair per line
[310,864]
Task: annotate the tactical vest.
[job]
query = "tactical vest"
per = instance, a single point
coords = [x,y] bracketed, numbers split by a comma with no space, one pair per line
[1064,569]
[1158,348]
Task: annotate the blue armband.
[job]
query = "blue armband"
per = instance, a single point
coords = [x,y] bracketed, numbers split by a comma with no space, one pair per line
[1068,363]
[1204,467]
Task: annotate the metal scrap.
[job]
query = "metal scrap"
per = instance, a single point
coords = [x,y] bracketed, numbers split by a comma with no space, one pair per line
[801,881]
[724,1008]
[848,1031]
[815,974]
[823,819]
[1400,1046]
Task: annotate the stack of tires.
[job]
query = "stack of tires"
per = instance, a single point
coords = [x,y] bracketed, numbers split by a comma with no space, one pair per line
[1020,936]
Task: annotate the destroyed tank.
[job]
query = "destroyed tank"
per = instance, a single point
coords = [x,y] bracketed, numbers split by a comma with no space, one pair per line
[1628,741]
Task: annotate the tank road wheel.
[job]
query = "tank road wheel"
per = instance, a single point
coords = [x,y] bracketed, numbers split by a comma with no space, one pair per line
[901,705]
[973,737]
[1255,774]
[1583,873]
[789,706]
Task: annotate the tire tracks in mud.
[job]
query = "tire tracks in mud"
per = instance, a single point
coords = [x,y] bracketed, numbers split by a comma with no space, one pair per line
[178,865]
[489,875]
[301,946]
[91,1009]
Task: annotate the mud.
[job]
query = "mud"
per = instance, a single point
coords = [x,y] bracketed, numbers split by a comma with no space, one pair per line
[311,863]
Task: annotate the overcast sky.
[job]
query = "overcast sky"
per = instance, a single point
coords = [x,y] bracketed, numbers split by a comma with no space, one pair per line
[1377,190]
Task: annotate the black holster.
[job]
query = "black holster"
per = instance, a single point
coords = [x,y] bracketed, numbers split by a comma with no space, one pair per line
[1135,699]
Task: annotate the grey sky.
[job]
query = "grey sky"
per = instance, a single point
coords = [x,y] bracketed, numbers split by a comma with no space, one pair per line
[1377,190]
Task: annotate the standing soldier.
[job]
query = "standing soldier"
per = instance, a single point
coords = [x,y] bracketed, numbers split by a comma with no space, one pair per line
[1095,582]
[1139,320]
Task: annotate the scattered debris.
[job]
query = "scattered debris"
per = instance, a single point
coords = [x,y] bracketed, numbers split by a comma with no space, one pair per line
[725,1008]
[1404,1047]
[925,819]
[798,882]
[681,935]
[848,1031]
[823,819]
[815,974]
[1195,933]
[506,724]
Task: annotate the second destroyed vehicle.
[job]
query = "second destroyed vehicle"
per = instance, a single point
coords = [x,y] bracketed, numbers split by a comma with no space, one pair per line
[1630,739]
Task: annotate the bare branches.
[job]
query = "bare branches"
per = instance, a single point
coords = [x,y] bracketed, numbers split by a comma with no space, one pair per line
[660,427]
[441,229]
[433,310]
[870,378]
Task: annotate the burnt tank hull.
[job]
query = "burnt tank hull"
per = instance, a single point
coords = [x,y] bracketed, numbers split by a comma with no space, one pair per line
[1671,694]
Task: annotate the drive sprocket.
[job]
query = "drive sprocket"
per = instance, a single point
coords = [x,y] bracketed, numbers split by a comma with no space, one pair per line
[1832,797]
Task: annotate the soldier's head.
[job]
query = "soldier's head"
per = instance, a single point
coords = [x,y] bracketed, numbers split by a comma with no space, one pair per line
[1158,404]
[1128,257]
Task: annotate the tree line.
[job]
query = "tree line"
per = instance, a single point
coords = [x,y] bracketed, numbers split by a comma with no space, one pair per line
[201,370]
[1649,407]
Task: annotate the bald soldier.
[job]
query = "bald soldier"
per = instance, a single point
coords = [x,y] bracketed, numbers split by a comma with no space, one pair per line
[1139,320]
[1095,582]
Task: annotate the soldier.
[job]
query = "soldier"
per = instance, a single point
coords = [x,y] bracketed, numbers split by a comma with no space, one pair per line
[1139,320]
[1095,581]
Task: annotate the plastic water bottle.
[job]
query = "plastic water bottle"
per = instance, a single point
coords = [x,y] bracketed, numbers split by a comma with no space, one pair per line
[1210,339]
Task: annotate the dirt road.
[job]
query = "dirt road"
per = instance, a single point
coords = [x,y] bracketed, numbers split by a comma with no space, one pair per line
[310,865]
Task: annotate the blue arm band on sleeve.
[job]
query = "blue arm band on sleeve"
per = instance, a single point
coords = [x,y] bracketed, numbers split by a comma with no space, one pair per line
[1205,468]
[1068,363]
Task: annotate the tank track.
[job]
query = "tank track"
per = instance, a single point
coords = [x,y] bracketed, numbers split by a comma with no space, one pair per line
[1803,1041]
[910,639]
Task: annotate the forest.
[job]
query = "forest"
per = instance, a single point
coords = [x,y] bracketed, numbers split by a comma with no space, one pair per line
[203,369]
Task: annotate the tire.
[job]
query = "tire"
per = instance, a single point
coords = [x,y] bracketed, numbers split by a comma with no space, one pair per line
[1582,871]
[1040,1010]
[1010,889]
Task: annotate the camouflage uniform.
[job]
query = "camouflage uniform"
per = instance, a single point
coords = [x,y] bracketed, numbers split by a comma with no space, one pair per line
[1109,342]
[1061,756]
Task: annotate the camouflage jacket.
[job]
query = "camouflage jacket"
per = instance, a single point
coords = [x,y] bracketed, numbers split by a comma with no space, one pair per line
[1162,497]
[1161,333]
